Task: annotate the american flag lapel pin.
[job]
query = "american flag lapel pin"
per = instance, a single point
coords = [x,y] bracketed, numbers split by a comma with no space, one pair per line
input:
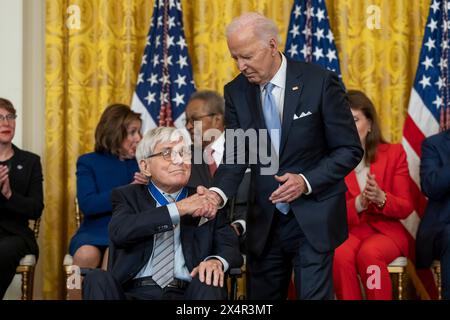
[295,88]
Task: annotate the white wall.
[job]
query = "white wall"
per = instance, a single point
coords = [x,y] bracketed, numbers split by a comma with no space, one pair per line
[11,59]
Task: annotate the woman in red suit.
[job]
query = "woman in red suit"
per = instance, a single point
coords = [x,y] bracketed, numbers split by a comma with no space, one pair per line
[377,198]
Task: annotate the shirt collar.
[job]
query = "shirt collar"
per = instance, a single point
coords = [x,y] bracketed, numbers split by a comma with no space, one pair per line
[279,79]
[218,144]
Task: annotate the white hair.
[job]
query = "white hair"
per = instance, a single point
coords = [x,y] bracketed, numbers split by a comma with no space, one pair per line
[263,28]
[147,145]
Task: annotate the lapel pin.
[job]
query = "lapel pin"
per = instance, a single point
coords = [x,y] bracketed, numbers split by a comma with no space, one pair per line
[295,88]
[19,166]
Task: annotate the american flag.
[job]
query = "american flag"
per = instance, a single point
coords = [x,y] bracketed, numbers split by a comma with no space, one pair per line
[309,35]
[165,80]
[429,104]
[429,109]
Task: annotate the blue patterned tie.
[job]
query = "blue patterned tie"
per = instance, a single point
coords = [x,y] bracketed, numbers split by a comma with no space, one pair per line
[273,123]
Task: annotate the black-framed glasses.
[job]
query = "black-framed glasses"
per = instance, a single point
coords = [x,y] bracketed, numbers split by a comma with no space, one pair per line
[9,117]
[170,154]
[197,118]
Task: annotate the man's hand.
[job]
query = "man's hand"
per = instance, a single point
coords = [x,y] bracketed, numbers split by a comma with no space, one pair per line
[193,205]
[140,178]
[210,272]
[214,200]
[292,186]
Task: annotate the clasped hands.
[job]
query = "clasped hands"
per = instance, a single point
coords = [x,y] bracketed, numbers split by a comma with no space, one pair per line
[5,187]
[204,203]
[372,193]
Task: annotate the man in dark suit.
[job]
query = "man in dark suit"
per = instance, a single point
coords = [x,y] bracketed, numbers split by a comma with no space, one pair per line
[162,246]
[21,198]
[299,217]
[433,236]
[206,109]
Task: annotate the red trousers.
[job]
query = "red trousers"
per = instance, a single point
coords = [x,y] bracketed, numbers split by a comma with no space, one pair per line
[363,252]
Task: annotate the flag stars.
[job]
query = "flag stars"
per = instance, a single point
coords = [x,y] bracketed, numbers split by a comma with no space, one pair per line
[153,79]
[440,83]
[432,25]
[158,41]
[428,63]
[140,78]
[295,31]
[442,63]
[150,98]
[182,61]
[425,81]
[306,51]
[179,99]
[181,43]
[320,15]
[297,11]
[309,12]
[144,59]
[438,102]
[318,53]
[181,81]
[155,60]
[319,34]
[171,22]
[430,44]
[330,36]
[170,40]
[293,50]
[435,6]
[331,55]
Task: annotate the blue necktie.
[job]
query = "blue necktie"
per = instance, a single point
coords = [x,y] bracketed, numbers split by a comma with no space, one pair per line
[273,123]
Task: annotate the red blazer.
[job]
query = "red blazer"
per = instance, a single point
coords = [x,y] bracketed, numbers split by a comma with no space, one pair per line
[391,173]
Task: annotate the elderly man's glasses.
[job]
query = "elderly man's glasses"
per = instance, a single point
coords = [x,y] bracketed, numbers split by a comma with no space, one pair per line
[171,154]
[8,117]
[197,118]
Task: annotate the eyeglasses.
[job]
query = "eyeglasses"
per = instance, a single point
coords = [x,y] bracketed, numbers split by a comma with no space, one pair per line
[9,117]
[170,154]
[197,118]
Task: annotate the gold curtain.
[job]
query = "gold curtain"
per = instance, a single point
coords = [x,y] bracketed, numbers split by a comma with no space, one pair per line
[90,67]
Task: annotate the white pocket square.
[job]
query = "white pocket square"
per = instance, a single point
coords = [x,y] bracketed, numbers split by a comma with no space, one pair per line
[303,114]
[202,221]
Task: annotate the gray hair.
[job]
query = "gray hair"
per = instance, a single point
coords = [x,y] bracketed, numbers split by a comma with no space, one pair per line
[146,146]
[214,103]
[263,28]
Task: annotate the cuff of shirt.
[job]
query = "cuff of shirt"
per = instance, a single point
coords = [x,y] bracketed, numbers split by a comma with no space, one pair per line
[221,194]
[224,262]
[242,223]
[307,184]
[174,214]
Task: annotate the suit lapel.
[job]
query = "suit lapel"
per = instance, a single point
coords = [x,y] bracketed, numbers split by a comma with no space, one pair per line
[292,92]
[254,101]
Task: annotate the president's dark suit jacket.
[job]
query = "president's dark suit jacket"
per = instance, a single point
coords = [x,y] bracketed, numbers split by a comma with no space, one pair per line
[435,183]
[26,202]
[135,221]
[322,144]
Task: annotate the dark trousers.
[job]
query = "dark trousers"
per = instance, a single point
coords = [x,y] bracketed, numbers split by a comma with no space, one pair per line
[442,252]
[12,249]
[288,249]
[101,285]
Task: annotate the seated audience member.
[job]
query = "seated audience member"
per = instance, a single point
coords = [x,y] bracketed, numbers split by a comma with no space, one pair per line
[206,109]
[433,236]
[113,164]
[378,197]
[162,246]
[21,198]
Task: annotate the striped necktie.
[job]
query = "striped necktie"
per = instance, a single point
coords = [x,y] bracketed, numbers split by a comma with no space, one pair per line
[163,257]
